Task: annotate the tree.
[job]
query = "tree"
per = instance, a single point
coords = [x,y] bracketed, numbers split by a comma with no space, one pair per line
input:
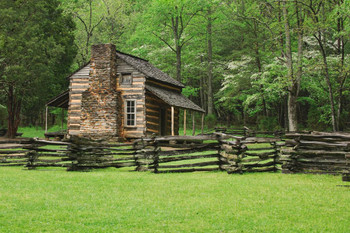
[170,22]
[321,27]
[35,52]
[294,77]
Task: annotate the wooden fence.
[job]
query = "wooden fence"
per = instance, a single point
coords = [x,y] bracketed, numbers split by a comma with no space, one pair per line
[313,152]
[251,155]
[75,154]
[208,153]
[160,155]
[316,152]
[178,154]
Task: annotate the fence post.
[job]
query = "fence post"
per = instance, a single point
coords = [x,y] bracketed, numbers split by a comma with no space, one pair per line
[85,154]
[221,158]
[240,155]
[275,157]
[32,156]
[290,156]
[346,172]
[232,153]
[155,156]
[144,154]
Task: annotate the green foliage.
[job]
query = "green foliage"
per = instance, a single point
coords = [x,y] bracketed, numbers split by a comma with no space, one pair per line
[210,121]
[250,80]
[268,123]
[36,51]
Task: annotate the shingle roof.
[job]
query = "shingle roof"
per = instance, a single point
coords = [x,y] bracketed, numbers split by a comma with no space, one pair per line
[148,69]
[173,98]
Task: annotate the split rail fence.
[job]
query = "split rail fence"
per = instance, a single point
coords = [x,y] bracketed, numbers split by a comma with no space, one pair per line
[316,152]
[160,155]
[312,152]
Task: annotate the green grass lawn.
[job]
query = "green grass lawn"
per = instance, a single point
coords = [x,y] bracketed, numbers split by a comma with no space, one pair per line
[31,132]
[120,201]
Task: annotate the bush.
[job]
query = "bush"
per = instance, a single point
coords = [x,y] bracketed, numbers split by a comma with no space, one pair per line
[210,121]
[315,121]
[268,123]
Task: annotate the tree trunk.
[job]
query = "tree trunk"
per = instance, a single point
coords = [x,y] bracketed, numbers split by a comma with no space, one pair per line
[343,76]
[258,64]
[328,80]
[292,94]
[13,110]
[178,63]
[201,91]
[210,64]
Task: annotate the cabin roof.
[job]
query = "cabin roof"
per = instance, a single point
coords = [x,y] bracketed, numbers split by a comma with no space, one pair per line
[81,71]
[174,98]
[60,101]
[148,69]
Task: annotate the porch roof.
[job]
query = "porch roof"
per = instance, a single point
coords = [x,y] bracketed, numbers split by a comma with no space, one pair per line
[174,98]
[60,101]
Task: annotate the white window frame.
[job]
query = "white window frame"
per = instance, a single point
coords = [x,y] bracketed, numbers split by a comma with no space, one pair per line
[126,112]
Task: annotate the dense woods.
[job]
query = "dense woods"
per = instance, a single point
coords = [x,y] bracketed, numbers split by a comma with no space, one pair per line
[268,64]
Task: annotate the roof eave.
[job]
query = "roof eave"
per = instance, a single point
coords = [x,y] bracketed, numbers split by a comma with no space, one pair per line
[167,83]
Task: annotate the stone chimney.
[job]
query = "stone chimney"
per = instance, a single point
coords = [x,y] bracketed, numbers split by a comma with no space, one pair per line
[99,105]
[103,66]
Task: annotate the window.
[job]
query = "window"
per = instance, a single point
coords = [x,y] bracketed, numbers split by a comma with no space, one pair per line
[130,112]
[126,79]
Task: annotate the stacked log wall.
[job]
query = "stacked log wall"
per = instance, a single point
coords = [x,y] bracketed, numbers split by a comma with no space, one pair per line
[79,82]
[153,107]
[134,91]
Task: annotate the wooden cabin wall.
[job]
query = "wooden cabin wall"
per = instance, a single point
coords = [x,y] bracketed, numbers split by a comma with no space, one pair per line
[153,107]
[153,122]
[79,82]
[135,91]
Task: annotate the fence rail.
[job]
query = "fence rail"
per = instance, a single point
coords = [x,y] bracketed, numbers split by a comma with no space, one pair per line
[158,155]
[208,153]
[322,153]
[310,152]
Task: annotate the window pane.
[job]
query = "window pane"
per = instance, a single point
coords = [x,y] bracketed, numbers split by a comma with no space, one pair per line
[130,112]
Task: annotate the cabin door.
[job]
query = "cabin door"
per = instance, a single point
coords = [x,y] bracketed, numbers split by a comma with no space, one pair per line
[162,124]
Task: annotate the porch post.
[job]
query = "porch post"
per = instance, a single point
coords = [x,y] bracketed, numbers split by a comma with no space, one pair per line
[185,122]
[172,121]
[193,125]
[46,114]
[202,123]
[62,120]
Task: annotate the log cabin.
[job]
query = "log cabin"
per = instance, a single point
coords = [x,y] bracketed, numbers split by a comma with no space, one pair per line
[118,95]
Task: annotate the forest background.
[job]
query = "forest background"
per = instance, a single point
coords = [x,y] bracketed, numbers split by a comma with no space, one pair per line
[270,64]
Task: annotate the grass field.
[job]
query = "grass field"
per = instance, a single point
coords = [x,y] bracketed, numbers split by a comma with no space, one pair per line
[31,132]
[121,201]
